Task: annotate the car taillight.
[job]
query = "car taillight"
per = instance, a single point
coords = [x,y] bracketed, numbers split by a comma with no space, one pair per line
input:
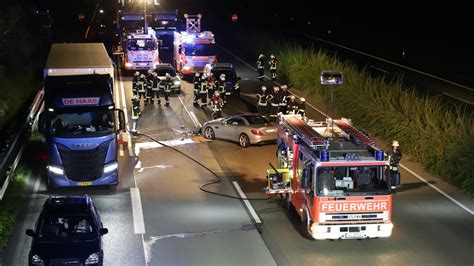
[257,132]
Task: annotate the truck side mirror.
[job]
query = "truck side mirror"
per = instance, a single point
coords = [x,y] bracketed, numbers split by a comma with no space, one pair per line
[103,231]
[121,120]
[41,124]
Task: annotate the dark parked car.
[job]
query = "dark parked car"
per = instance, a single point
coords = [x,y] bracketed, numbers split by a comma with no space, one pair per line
[68,232]
[231,79]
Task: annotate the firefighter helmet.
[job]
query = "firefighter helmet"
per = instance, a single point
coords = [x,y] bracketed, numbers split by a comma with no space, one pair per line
[302,99]
[137,74]
[197,74]
[292,97]
[216,93]
[272,56]
[222,76]
[284,87]
[261,56]
[142,76]
[150,71]
[167,75]
[264,88]
[395,144]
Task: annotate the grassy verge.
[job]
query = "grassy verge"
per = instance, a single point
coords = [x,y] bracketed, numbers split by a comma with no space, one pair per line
[439,136]
[12,201]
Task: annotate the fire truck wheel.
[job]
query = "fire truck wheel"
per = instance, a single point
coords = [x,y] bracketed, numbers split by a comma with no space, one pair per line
[244,140]
[209,133]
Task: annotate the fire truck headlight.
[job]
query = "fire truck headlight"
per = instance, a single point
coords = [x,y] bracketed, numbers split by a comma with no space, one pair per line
[316,228]
[128,65]
[186,68]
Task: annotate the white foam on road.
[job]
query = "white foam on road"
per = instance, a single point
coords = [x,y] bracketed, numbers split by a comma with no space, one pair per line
[154,145]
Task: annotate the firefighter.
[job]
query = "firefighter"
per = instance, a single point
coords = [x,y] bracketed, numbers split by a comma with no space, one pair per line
[301,107]
[284,97]
[275,101]
[141,87]
[197,87]
[273,67]
[167,88]
[221,88]
[292,105]
[261,67]
[135,113]
[212,85]
[262,101]
[155,93]
[217,104]
[136,78]
[203,90]
[395,155]
[149,86]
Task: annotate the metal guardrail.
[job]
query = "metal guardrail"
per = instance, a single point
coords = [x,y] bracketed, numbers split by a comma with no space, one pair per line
[12,149]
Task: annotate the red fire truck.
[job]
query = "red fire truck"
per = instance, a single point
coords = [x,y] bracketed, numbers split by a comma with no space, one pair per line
[193,49]
[335,178]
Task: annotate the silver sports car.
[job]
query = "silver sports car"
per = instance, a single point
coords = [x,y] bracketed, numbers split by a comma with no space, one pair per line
[245,129]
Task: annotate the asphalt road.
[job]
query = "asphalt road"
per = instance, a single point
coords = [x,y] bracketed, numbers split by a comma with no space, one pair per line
[182,225]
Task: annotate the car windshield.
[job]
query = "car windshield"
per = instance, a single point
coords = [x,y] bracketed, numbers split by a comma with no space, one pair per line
[344,181]
[142,44]
[161,71]
[66,228]
[200,50]
[256,120]
[79,122]
[229,74]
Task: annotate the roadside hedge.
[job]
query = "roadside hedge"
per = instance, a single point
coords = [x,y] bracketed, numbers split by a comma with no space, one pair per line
[438,135]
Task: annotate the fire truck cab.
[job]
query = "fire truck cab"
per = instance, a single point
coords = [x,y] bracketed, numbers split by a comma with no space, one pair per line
[335,178]
[141,50]
[193,49]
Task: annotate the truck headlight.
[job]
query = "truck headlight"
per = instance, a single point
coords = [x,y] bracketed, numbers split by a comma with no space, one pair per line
[37,260]
[128,65]
[111,167]
[186,68]
[56,170]
[93,258]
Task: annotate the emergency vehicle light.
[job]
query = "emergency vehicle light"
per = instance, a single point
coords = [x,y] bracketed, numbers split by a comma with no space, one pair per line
[379,155]
[324,156]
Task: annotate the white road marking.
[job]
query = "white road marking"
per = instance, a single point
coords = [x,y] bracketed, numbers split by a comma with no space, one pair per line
[390,62]
[247,203]
[191,114]
[406,168]
[138,221]
[439,190]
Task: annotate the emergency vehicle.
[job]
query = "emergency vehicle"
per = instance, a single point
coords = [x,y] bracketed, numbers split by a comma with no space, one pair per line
[193,49]
[335,178]
[141,50]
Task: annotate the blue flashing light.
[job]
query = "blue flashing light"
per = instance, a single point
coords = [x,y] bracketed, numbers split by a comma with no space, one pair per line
[324,156]
[379,155]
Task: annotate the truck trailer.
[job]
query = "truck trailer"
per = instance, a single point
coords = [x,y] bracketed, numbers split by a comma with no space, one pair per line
[79,120]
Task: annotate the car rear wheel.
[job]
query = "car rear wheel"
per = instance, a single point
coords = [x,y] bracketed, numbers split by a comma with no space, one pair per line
[244,140]
[209,133]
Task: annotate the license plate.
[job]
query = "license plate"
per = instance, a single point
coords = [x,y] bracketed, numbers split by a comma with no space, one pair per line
[83,184]
[354,216]
[143,64]
[353,235]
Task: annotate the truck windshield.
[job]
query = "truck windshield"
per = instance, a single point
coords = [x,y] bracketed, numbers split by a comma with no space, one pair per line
[131,25]
[73,122]
[200,50]
[345,181]
[142,45]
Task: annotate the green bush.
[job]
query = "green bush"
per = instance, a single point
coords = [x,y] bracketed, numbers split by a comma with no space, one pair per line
[438,135]
[11,202]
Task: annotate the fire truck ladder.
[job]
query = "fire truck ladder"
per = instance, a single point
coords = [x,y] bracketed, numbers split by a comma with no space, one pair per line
[193,23]
[305,132]
[360,136]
